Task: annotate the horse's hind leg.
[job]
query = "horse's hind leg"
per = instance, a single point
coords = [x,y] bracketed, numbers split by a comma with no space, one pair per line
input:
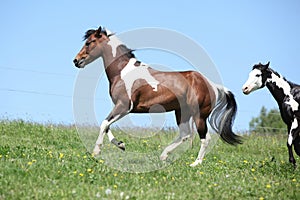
[184,133]
[204,137]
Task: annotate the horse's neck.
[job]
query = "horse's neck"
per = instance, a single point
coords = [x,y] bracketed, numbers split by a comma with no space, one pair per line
[114,62]
[279,87]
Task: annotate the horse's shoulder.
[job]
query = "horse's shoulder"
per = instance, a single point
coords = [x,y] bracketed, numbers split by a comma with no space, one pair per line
[295,91]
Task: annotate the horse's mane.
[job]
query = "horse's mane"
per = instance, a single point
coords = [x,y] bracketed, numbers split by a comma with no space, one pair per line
[126,51]
[90,32]
[260,67]
[292,84]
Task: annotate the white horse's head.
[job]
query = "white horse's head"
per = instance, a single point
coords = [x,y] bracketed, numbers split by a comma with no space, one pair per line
[257,78]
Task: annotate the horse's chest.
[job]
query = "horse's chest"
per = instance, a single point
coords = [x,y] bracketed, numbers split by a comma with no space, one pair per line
[290,107]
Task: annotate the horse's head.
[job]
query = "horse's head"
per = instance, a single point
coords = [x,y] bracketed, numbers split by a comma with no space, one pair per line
[257,78]
[93,47]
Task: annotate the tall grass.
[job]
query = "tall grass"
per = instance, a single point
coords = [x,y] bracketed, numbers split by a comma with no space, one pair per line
[50,162]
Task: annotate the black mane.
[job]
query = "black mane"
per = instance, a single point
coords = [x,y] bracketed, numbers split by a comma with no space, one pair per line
[126,51]
[90,32]
[259,66]
[263,67]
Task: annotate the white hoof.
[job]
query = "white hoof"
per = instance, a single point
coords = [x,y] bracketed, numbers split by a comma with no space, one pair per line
[96,150]
[163,157]
[197,162]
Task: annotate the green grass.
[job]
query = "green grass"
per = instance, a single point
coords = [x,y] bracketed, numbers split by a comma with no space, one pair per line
[51,162]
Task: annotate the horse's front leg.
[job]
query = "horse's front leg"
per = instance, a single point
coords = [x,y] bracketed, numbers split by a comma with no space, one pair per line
[293,131]
[117,113]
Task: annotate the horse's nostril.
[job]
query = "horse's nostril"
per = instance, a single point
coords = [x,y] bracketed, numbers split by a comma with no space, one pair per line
[75,61]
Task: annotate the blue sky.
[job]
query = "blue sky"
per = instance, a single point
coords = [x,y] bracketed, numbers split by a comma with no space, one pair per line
[40,39]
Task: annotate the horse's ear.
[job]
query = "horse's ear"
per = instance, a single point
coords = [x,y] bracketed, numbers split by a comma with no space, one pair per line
[104,31]
[98,32]
[266,66]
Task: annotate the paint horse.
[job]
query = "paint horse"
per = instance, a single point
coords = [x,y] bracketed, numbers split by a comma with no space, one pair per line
[135,87]
[287,95]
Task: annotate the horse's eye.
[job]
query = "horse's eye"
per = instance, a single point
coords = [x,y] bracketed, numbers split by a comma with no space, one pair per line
[257,75]
[88,43]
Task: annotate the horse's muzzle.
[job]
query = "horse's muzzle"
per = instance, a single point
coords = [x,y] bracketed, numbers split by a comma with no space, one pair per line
[78,63]
[75,61]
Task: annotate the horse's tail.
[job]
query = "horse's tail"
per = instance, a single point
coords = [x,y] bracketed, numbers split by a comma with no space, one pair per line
[223,115]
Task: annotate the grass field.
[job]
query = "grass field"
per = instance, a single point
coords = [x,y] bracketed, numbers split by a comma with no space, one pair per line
[50,162]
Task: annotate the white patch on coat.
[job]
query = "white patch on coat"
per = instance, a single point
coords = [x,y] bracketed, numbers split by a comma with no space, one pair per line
[130,73]
[114,42]
[294,126]
[281,83]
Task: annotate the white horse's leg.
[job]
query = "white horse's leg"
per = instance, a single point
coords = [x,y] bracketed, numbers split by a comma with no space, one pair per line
[104,128]
[202,151]
[293,128]
[184,134]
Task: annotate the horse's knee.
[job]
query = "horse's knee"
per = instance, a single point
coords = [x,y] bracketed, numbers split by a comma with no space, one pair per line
[104,126]
[204,143]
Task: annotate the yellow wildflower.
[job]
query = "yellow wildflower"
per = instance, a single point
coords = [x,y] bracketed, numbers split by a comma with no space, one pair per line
[89,170]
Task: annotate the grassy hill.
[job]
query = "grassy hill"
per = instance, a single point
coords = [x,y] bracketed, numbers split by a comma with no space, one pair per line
[51,162]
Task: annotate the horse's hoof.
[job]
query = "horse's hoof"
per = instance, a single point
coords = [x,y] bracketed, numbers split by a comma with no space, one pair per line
[163,157]
[197,162]
[96,151]
[121,145]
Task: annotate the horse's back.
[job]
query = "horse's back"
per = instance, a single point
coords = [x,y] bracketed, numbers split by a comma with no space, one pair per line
[174,90]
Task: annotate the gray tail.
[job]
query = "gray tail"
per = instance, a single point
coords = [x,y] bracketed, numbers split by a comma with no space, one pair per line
[223,115]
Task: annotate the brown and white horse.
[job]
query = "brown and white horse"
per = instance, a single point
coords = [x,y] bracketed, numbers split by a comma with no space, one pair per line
[135,87]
